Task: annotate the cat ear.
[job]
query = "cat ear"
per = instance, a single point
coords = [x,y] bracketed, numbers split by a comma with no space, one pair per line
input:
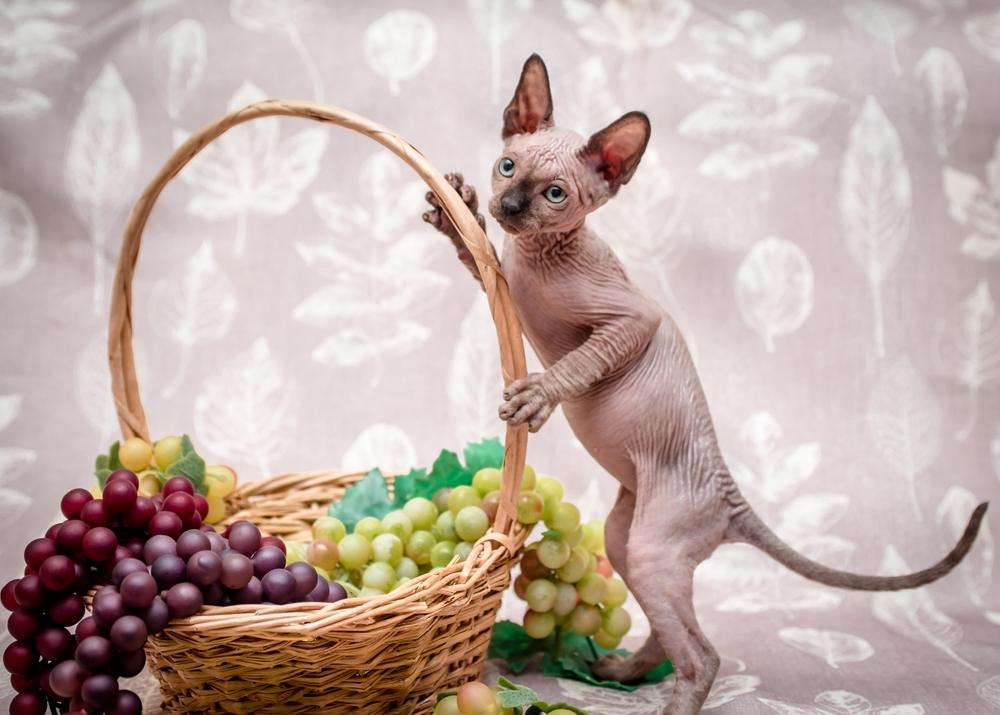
[531,107]
[614,152]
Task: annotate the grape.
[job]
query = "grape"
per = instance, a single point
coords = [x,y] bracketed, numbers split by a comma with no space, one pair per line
[462,550]
[244,537]
[323,554]
[616,621]
[337,592]
[124,567]
[201,506]
[398,523]
[127,703]
[57,573]
[267,559]
[329,528]
[565,601]
[531,566]
[253,592]
[138,589]
[379,576]
[604,567]
[28,703]
[521,586]
[487,480]
[135,453]
[20,657]
[237,570]
[442,553]
[440,499]
[54,643]
[476,698]
[540,595]
[592,588]
[553,553]
[407,568]
[191,542]
[139,515]
[7,595]
[420,545]
[529,507]
[166,451]
[126,475]
[461,497]
[108,608]
[30,592]
[471,523]
[51,532]
[183,600]
[539,625]
[100,544]
[447,706]
[305,578]
[73,501]
[593,536]
[387,548]
[70,536]
[575,567]
[168,570]
[86,628]
[565,518]
[66,678]
[181,504]
[218,543]
[66,610]
[149,484]
[94,653]
[573,537]
[273,541]
[120,495]
[128,664]
[129,633]
[320,591]
[444,527]
[279,586]
[23,623]
[166,523]
[368,527]
[422,513]
[205,567]
[529,479]
[81,578]
[95,513]
[158,545]
[585,619]
[549,487]
[99,691]
[355,550]
[491,505]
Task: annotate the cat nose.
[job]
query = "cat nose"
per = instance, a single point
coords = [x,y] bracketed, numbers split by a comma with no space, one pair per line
[513,202]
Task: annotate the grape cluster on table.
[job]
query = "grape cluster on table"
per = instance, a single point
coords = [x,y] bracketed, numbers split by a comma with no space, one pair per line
[151,559]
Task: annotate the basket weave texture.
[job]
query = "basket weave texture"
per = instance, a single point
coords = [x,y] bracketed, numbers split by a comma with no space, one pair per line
[377,655]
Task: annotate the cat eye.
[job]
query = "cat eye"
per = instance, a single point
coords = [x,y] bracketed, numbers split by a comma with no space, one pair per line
[555,194]
[506,167]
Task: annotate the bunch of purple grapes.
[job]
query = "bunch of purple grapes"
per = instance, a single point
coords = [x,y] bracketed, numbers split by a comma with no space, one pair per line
[153,560]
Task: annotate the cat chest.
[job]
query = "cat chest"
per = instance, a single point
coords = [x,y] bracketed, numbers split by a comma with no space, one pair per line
[546,317]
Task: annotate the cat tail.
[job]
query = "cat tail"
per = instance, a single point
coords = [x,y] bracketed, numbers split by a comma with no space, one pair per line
[747,527]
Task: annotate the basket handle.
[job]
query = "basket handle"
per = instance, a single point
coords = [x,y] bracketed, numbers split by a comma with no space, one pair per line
[124,386]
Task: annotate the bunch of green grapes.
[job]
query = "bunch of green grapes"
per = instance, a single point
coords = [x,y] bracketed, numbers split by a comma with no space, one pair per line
[566,579]
[477,698]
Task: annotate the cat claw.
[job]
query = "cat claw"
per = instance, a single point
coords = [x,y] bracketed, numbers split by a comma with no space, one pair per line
[437,218]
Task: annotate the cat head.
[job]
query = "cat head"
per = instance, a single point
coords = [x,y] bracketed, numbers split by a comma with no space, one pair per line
[548,179]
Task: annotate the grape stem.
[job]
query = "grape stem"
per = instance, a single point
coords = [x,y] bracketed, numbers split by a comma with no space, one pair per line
[590,642]
[558,649]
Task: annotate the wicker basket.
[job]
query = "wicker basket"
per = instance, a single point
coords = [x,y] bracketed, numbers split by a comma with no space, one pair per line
[379,655]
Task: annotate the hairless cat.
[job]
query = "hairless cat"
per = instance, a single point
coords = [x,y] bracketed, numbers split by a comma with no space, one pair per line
[620,368]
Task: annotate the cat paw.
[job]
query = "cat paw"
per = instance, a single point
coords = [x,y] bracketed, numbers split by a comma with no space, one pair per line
[437,218]
[527,401]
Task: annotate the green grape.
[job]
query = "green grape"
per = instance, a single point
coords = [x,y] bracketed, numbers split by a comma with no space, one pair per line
[444,527]
[447,706]
[440,499]
[553,552]
[355,550]
[420,546]
[549,487]
[442,553]
[476,698]
[593,537]
[528,481]
[592,563]
[491,505]
[540,595]
[471,523]
[539,625]
[616,621]
[295,551]
[585,619]
[573,537]
[398,523]
[462,550]
[575,567]
[566,600]
[530,506]
[407,568]
[387,548]
[487,480]
[461,497]
[167,450]
[422,513]
[369,591]
[592,588]
[565,518]
[330,528]
[380,576]
[606,640]
[323,573]
[617,593]
[368,527]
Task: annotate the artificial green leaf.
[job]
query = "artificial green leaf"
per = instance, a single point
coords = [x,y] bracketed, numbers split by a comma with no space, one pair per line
[511,644]
[543,707]
[487,453]
[406,485]
[189,464]
[512,695]
[107,463]
[446,471]
[368,497]
[576,653]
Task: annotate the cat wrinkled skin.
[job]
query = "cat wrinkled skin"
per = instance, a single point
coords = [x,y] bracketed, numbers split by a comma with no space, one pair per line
[620,369]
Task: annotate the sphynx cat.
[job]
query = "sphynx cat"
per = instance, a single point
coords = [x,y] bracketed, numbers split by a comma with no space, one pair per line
[620,368]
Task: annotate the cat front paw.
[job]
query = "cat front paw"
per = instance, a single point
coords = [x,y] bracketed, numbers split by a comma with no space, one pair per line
[437,218]
[528,401]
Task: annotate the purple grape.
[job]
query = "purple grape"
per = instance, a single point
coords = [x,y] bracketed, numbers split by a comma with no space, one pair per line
[201,506]
[157,546]
[128,703]
[130,664]
[30,592]
[95,513]
[100,544]
[20,657]
[57,573]
[69,539]
[279,586]
[135,546]
[191,542]
[244,537]
[81,578]
[127,474]
[156,615]
[237,570]
[66,679]
[54,643]
[305,577]
[141,512]
[275,542]
[168,570]
[213,594]
[108,609]
[24,623]
[125,567]
[66,610]
[178,484]
[100,691]
[267,559]
[253,592]
[73,501]
[30,702]
[129,633]
[181,504]
[138,589]
[204,568]
[218,543]
[7,596]
[184,600]
[337,592]
[94,653]
[38,550]
[167,523]
[320,591]
[86,628]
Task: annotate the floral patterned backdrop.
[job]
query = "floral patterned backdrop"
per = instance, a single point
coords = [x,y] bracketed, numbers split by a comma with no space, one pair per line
[819,209]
